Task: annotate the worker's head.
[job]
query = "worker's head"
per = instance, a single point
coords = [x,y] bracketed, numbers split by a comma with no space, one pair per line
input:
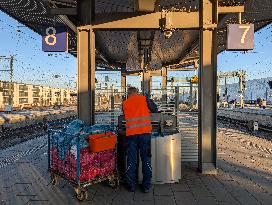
[132,91]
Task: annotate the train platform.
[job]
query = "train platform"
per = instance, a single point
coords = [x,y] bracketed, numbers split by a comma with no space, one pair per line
[244,176]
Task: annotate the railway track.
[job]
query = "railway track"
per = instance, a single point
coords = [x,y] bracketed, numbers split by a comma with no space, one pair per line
[244,124]
[264,133]
[10,137]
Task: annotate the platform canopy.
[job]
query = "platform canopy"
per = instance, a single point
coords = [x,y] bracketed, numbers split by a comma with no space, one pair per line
[118,47]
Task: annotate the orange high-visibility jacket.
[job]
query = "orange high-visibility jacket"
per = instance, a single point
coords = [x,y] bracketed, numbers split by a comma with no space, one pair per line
[137,115]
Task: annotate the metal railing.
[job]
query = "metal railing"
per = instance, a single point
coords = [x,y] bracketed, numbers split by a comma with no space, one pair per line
[109,103]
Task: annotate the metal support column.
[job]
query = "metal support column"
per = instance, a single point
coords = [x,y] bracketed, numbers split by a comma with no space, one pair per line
[86,11]
[164,84]
[112,106]
[86,62]
[146,83]
[123,83]
[150,84]
[177,100]
[191,95]
[226,91]
[241,90]
[86,76]
[218,91]
[207,87]
[266,94]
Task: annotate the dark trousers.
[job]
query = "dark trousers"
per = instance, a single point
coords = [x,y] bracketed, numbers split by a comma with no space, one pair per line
[134,144]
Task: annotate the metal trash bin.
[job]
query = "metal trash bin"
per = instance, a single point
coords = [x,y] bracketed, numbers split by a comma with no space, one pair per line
[166,159]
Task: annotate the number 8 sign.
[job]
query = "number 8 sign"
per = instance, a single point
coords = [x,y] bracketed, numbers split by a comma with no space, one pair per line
[55,39]
[240,37]
[51,36]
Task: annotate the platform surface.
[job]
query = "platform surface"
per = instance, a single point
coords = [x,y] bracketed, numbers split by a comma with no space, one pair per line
[244,177]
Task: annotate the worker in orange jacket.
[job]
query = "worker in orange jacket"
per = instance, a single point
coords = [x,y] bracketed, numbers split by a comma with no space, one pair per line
[137,110]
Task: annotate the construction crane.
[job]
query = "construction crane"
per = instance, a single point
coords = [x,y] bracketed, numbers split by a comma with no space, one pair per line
[191,80]
[241,74]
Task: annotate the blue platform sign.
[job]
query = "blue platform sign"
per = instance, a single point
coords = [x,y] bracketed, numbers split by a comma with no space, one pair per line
[55,39]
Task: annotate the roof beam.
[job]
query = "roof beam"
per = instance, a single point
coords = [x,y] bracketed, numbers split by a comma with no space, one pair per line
[140,20]
[144,5]
[63,11]
[69,23]
[108,69]
[231,9]
[64,18]
[127,21]
[183,69]
[63,3]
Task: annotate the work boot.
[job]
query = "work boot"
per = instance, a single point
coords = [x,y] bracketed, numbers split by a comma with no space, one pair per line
[146,190]
[131,189]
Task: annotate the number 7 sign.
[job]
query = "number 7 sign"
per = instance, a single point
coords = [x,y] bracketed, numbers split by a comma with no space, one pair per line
[240,37]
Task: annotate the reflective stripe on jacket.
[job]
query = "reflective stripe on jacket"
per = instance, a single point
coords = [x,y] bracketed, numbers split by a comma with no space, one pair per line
[137,115]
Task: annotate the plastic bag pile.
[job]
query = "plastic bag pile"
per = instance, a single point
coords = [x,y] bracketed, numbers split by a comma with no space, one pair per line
[63,152]
[75,134]
[92,165]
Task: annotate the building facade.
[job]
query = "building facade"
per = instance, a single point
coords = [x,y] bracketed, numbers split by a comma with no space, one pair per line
[21,95]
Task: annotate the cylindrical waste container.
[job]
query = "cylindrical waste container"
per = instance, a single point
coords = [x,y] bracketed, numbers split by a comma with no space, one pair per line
[166,159]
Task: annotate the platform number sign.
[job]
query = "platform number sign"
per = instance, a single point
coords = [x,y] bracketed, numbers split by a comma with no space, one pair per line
[55,39]
[240,37]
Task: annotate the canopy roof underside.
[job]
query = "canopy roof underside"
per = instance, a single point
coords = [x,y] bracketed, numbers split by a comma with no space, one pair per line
[120,47]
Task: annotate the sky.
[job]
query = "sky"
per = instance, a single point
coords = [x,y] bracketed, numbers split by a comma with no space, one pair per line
[32,65]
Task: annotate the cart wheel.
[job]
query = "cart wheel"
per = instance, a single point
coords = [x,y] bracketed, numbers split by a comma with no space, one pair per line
[54,179]
[82,195]
[113,182]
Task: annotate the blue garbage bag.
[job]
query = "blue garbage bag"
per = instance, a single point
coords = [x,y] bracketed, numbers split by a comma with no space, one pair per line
[67,138]
[75,132]
[98,128]
[75,127]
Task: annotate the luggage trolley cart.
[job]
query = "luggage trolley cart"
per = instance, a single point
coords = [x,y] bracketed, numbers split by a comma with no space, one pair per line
[67,159]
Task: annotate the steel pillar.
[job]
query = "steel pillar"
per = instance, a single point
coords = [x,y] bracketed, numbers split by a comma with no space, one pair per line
[146,82]
[150,84]
[207,87]
[191,95]
[177,100]
[112,105]
[86,11]
[241,91]
[164,84]
[123,83]
[86,75]
[266,94]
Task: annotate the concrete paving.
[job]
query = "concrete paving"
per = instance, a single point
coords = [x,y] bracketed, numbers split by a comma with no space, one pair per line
[244,177]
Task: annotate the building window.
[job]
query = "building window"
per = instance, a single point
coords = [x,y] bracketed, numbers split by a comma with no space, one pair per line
[36,95]
[23,87]
[23,100]
[36,100]
[6,86]
[6,100]
[23,94]
[6,93]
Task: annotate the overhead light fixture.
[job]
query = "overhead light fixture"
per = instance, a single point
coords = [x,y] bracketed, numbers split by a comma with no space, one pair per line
[167,33]
[166,24]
